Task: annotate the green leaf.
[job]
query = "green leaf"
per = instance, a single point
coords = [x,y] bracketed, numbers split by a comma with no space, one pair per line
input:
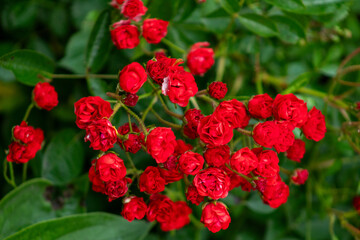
[256,205]
[28,65]
[63,158]
[99,45]
[230,6]
[289,30]
[287,5]
[258,24]
[102,226]
[299,82]
[98,87]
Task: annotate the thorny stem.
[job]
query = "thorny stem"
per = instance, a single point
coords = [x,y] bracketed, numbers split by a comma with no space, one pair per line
[147,110]
[12,174]
[170,124]
[116,108]
[196,222]
[243,131]
[5,175]
[202,92]
[28,110]
[129,120]
[172,45]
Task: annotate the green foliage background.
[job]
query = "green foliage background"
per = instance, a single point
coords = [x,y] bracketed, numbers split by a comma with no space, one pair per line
[264,45]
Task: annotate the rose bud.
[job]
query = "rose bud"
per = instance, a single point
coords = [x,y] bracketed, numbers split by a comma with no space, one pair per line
[261,106]
[24,133]
[132,77]
[215,217]
[300,176]
[125,35]
[218,90]
[275,194]
[179,217]
[290,108]
[193,196]
[191,163]
[90,109]
[193,117]
[268,165]
[133,142]
[244,161]
[161,143]
[315,126]
[153,30]
[160,208]
[130,99]
[45,96]
[151,181]
[200,59]
[181,147]
[19,153]
[179,86]
[234,112]
[110,167]
[356,203]
[286,136]
[94,177]
[217,156]
[171,175]
[117,189]
[158,69]
[133,9]
[134,207]
[116,3]
[212,182]
[215,130]
[296,151]
[101,134]
[266,134]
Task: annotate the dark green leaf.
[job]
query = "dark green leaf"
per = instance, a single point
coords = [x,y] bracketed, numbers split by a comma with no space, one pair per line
[98,87]
[101,226]
[258,24]
[99,44]
[289,30]
[28,65]
[288,5]
[299,82]
[63,158]
[230,6]
[256,204]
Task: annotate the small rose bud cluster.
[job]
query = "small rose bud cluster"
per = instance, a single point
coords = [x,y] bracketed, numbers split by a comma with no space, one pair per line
[45,96]
[124,34]
[176,83]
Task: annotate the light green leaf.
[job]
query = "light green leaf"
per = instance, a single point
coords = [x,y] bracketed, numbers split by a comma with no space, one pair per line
[28,65]
[102,226]
[289,30]
[288,4]
[258,24]
[299,82]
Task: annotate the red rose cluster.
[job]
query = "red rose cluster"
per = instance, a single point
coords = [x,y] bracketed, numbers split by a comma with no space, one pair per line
[127,35]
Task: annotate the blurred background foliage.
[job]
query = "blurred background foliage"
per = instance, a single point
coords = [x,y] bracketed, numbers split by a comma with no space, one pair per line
[260,45]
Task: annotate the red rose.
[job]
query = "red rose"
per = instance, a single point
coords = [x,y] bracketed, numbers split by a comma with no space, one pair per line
[97,184]
[133,142]
[179,86]
[131,99]
[90,109]
[234,112]
[151,181]
[212,182]
[289,108]
[19,153]
[266,134]
[191,163]
[268,165]
[171,175]
[110,167]
[215,217]
[237,181]
[215,131]
[132,77]
[356,203]
[133,9]
[286,136]
[117,189]
[134,207]
[24,133]
[193,117]
[200,59]
[116,3]
[161,143]
[160,208]
[244,161]
[158,69]
[101,134]
[315,126]
[45,96]
[218,90]
[125,35]
[193,196]
[297,151]
[181,147]
[261,106]
[217,156]
[300,176]
[179,217]
[153,30]
[275,194]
